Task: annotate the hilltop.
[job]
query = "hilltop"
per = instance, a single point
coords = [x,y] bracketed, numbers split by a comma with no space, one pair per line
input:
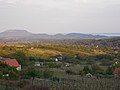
[25,35]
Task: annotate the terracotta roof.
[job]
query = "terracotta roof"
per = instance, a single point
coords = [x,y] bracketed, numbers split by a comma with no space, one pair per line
[11,62]
[116,71]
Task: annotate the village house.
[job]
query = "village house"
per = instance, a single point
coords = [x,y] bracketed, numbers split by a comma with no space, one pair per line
[67,64]
[11,62]
[116,72]
[39,64]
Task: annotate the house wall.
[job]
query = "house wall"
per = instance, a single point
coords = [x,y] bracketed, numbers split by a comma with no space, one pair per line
[19,68]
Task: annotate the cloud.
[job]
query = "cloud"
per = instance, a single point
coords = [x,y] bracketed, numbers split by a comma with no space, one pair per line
[60,4]
[61,15]
[8,3]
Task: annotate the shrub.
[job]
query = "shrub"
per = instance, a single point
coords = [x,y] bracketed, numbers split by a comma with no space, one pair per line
[70,72]
[47,74]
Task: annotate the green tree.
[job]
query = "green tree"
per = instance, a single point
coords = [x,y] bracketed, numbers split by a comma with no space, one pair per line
[11,71]
[32,73]
[1,74]
[96,69]
[109,70]
[13,75]
[20,56]
[86,70]
[47,74]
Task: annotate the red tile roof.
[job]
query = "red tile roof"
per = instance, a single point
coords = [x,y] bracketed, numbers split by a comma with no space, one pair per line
[11,62]
[116,71]
[1,44]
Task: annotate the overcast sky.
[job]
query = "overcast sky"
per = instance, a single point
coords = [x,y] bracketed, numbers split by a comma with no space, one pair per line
[61,16]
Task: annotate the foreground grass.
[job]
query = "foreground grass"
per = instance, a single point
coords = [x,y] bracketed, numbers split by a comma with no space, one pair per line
[68,84]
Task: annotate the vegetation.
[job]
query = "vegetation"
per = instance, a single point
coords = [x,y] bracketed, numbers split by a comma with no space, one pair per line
[78,65]
[7,72]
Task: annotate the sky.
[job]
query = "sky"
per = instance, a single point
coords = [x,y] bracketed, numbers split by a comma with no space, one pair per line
[60,16]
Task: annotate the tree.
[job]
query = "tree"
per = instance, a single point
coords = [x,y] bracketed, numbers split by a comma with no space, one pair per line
[32,73]
[86,70]
[47,74]
[11,71]
[13,75]
[110,70]
[96,70]
[20,56]
[1,74]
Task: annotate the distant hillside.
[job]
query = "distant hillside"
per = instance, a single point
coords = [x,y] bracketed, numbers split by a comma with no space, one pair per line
[82,36]
[14,34]
[107,34]
[108,42]
[25,35]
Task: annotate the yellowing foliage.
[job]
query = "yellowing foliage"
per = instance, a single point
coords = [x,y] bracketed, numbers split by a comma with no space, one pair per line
[42,53]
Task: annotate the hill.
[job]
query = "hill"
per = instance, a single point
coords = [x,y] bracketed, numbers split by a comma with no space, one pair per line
[14,34]
[25,35]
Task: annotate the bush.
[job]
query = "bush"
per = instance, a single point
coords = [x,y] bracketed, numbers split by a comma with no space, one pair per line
[47,74]
[56,79]
[13,75]
[110,70]
[70,72]
[53,65]
[97,70]
[86,70]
